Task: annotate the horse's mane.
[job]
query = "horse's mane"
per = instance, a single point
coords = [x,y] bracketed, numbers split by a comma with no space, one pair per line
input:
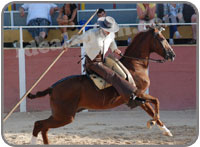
[137,40]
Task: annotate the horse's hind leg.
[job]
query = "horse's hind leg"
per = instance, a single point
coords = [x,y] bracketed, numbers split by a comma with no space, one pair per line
[147,107]
[44,125]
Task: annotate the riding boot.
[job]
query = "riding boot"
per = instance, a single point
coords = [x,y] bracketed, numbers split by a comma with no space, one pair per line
[135,102]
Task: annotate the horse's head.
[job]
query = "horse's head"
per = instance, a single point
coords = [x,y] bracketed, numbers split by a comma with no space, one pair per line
[160,44]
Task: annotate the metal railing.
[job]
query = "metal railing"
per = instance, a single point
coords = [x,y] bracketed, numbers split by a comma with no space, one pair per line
[72,26]
[78,26]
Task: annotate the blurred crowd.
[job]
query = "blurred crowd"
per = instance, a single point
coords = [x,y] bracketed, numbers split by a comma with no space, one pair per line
[39,14]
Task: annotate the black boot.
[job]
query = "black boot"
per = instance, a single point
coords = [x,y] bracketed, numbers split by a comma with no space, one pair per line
[135,101]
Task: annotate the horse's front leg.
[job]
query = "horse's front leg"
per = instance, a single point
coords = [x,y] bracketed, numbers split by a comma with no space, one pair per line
[148,108]
[150,99]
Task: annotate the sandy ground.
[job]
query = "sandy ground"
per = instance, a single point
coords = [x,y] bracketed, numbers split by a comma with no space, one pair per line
[106,128]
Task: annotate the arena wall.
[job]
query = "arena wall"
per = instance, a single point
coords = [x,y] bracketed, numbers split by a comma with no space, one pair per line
[174,83]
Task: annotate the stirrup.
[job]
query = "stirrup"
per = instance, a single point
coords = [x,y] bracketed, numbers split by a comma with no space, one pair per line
[140,100]
[135,102]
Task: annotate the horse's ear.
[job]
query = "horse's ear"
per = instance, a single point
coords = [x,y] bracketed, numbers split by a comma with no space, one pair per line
[148,27]
[158,21]
[164,26]
[151,27]
[161,29]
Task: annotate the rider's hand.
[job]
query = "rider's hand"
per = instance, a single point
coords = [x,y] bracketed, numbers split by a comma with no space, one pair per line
[117,51]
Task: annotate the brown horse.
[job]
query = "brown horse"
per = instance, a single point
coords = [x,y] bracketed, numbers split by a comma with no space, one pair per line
[74,93]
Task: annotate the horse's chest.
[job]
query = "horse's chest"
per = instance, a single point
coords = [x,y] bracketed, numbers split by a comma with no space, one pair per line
[142,80]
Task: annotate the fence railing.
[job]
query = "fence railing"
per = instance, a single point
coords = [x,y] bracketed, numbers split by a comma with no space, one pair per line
[71,26]
[79,26]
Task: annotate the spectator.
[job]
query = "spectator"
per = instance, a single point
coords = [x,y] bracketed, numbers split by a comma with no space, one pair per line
[39,14]
[160,11]
[190,17]
[194,35]
[67,16]
[101,13]
[173,13]
[146,14]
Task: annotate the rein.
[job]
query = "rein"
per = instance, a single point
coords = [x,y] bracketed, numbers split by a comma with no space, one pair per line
[149,59]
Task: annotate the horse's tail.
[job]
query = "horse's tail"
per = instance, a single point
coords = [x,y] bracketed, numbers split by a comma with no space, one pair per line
[40,93]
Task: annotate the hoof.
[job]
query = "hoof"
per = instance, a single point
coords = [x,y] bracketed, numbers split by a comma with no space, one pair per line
[150,123]
[167,134]
[165,131]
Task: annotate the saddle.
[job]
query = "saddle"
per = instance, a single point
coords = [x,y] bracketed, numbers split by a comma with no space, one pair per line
[114,64]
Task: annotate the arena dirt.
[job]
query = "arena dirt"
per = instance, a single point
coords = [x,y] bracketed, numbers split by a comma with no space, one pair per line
[106,128]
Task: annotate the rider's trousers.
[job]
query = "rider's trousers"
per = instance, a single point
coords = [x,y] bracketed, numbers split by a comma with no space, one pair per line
[123,87]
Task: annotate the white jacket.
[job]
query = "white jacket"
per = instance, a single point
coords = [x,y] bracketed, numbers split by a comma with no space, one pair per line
[94,41]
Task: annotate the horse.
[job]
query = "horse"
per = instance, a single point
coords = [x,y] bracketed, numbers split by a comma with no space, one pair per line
[78,92]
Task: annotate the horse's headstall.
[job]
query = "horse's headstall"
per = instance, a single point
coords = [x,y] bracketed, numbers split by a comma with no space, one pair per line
[156,35]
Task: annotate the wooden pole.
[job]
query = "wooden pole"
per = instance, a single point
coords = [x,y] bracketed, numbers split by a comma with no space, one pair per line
[8,115]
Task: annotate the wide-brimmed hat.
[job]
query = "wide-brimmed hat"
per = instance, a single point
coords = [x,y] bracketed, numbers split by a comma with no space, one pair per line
[108,24]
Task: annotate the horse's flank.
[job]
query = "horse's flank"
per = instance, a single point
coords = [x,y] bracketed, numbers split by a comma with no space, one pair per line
[79,87]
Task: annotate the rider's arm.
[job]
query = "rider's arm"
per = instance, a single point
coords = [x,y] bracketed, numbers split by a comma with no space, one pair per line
[114,48]
[113,45]
[78,39]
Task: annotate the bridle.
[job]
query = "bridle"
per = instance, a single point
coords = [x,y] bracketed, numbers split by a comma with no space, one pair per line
[150,59]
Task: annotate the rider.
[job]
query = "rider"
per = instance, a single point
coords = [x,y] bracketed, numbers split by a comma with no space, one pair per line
[96,43]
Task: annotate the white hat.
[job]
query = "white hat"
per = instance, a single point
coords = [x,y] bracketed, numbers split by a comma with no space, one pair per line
[108,24]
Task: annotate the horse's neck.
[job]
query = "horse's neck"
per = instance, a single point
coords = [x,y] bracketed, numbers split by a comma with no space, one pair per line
[137,54]
[135,65]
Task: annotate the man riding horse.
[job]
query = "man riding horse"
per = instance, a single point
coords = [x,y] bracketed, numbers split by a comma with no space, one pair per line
[96,43]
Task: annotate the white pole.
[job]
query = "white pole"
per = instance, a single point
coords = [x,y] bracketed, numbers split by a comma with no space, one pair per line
[82,64]
[82,54]
[22,72]
[11,19]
